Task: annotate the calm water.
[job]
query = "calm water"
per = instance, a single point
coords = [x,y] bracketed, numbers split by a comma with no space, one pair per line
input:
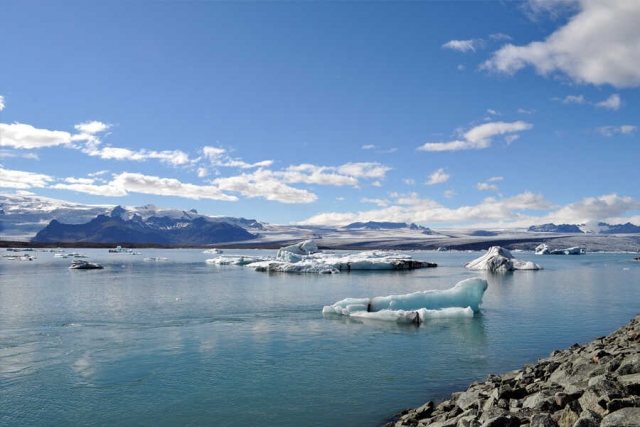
[184,343]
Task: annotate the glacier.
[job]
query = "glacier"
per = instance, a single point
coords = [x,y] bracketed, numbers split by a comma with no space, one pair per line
[463,300]
[499,259]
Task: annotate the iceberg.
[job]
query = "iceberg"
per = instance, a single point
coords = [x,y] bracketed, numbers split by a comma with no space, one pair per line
[500,259]
[290,262]
[460,301]
[543,249]
[235,260]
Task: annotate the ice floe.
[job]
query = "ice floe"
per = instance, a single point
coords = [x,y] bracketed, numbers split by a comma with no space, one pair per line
[544,249]
[236,260]
[460,301]
[321,263]
[500,259]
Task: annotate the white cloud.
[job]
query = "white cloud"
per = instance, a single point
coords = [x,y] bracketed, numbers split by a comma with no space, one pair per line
[2,103]
[611,103]
[524,111]
[87,181]
[263,183]
[510,138]
[449,194]
[460,67]
[478,137]
[500,36]
[493,112]
[612,130]
[92,127]
[219,157]
[484,186]
[438,177]
[376,184]
[598,45]
[368,147]
[175,157]
[594,208]
[23,180]
[464,45]
[495,178]
[412,208]
[379,202]
[22,136]
[572,99]
[202,172]
[409,181]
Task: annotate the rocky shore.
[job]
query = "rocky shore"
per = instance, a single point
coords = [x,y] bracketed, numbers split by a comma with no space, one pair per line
[597,384]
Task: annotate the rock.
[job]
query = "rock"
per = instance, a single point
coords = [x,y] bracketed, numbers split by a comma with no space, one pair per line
[542,420]
[567,418]
[625,417]
[592,385]
[503,421]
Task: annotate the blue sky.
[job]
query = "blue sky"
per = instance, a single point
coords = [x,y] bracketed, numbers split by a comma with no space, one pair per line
[439,113]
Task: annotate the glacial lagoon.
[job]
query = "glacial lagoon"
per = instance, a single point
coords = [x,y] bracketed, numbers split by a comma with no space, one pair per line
[177,341]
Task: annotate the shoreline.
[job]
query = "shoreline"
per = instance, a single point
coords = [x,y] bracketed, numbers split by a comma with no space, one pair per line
[592,385]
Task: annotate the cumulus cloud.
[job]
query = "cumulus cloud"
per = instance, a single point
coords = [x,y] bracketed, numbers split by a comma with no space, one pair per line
[611,103]
[23,180]
[574,99]
[172,157]
[412,208]
[449,194]
[598,45]
[438,177]
[409,181]
[525,111]
[368,147]
[478,137]
[485,186]
[464,45]
[1,103]
[379,202]
[92,127]
[23,136]
[263,183]
[612,130]
[219,157]
[594,208]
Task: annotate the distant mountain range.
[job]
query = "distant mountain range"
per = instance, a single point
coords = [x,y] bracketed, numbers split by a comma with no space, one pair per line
[158,230]
[23,216]
[602,228]
[552,228]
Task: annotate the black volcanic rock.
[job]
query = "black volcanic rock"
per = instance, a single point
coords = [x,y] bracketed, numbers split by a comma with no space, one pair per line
[157,230]
[552,228]
[627,228]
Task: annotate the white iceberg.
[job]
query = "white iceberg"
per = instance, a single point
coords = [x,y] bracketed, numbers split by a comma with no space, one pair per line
[290,262]
[236,260]
[500,259]
[543,249]
[460,301]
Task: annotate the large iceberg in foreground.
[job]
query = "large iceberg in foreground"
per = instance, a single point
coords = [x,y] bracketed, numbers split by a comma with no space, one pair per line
[460,301]
[290,262]
[500,259]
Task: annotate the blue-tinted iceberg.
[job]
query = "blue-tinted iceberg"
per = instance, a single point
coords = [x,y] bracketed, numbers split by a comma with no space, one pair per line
[500,259]
[236,260]
[460,301]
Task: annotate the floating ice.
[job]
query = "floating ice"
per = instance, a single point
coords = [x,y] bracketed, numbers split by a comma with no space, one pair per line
[460,301]
[543,249]
[235,260]
[500,259]
[303,248]
[290,262]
